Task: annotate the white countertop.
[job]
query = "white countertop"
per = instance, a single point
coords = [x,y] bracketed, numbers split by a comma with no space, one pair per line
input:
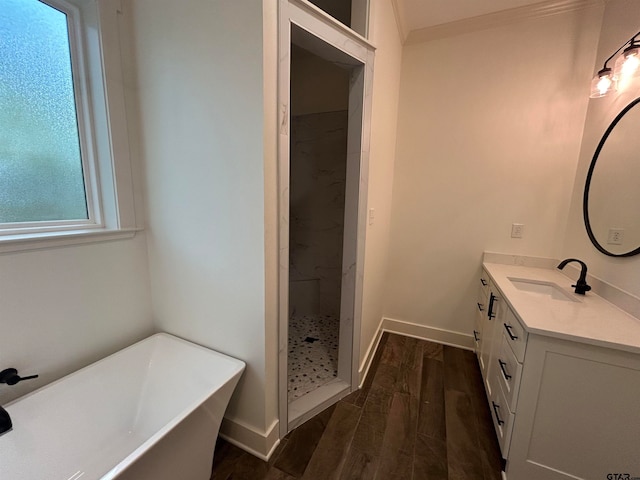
[590,319]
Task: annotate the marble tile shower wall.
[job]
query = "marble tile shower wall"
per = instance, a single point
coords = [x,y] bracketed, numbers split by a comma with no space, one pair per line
[316,217]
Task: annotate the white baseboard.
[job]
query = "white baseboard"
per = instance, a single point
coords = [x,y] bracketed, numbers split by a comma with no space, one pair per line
[423,332]
[262,444]
[368,358]
[259,444]
[432,334]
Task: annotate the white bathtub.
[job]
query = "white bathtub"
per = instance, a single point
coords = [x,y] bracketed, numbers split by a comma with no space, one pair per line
[151,411]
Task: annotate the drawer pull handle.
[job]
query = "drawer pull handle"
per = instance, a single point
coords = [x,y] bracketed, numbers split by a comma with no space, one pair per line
[508,329]
[480,307]
[504,370]
[490,313]
[475,335]
[484,282]
[495,410]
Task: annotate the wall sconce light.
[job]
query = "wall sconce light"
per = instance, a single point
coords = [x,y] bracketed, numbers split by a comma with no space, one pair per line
[626,67]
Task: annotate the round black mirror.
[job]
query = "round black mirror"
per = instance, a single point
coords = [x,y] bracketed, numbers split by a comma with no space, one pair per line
[611,202]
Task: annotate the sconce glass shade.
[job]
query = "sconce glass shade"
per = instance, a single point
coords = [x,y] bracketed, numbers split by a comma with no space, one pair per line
[627,64]
[602,83]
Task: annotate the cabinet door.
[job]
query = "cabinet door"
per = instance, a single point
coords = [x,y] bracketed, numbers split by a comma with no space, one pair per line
[487,328]
[574,411]
[491,333]
[482,301]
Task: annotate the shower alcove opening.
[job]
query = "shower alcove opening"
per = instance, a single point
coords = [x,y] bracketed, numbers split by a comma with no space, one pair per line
[323,151]
[318,159]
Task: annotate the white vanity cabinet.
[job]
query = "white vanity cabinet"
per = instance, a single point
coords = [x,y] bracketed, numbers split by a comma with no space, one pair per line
[578,413]
[564,397]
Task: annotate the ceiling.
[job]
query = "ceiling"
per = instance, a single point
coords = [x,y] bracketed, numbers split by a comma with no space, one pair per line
[418,14]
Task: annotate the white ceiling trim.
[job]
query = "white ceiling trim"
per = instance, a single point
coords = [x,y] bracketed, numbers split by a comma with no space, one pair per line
[397,13]
[491,20]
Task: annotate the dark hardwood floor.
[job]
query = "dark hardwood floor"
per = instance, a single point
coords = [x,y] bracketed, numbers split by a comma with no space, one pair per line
[421,414]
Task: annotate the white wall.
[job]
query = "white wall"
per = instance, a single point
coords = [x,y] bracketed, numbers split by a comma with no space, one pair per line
[386,90]
[63,308]
[66,307]
[619,24]
[200,79]
[489,130]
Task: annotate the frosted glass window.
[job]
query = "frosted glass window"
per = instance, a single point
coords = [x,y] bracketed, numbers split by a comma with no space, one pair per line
[41,174]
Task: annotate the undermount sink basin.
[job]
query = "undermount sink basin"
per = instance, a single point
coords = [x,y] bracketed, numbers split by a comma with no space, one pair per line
[542,289]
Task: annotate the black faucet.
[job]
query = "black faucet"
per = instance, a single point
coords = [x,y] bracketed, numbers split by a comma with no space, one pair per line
[581,285]
[10,377]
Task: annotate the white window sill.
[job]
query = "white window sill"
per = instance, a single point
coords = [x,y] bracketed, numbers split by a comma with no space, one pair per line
[37,241]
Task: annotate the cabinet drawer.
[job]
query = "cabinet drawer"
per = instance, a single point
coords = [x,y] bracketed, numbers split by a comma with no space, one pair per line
[483,292]
[515,334]
[502,420]
[484,281]
[509,372]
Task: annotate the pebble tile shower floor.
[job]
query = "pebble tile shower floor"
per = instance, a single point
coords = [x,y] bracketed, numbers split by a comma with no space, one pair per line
[313,353]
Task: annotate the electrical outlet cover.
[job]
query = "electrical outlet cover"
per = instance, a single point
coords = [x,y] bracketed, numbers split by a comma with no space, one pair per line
[517,230]
[616,236]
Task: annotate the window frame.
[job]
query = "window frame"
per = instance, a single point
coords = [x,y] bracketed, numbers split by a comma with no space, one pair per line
[95,37]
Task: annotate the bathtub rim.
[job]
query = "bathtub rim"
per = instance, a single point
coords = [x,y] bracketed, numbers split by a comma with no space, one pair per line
[146,445]
[104,359]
